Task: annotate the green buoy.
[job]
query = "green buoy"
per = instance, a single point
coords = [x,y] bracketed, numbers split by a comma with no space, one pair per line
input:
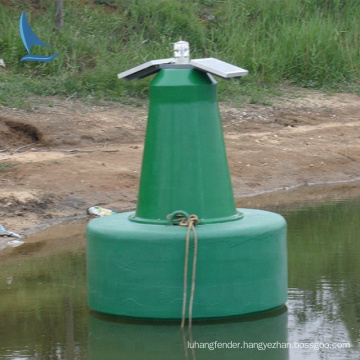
[135,260]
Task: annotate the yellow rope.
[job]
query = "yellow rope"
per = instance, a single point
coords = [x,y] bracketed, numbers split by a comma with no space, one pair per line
[190,221]
[187,241]
[191,227]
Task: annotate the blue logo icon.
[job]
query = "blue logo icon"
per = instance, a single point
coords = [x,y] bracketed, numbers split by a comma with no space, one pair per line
[29,39]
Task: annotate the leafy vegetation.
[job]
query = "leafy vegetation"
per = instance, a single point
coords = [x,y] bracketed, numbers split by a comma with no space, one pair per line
[309,43]
[5,166]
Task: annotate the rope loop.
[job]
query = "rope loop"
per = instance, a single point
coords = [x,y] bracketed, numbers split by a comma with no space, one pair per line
[182,218]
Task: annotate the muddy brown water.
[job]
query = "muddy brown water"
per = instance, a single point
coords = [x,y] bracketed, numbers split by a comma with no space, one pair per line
[44,313]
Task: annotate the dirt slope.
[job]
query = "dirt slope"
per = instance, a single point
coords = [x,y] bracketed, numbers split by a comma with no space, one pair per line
[62,156]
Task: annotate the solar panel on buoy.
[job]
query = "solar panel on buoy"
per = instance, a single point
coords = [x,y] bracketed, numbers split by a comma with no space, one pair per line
[210,65]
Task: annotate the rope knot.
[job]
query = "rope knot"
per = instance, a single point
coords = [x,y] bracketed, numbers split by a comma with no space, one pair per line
[182,218]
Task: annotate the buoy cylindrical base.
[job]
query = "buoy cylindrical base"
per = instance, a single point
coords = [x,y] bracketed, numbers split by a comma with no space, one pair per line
[136,269]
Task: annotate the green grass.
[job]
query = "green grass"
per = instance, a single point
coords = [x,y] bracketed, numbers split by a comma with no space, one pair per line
[6,166]
[309,43]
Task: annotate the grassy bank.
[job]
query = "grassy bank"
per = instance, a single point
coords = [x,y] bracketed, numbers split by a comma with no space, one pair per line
[310,43]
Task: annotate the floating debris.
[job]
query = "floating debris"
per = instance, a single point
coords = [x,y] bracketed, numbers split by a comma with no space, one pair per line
[15,243]
[99,211]
[4,232]
[4,243]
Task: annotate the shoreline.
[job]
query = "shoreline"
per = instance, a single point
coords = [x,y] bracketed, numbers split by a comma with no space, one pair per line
[300,195]
[68,233]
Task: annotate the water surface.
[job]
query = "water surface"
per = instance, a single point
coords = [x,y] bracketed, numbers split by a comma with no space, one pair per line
[44,314]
